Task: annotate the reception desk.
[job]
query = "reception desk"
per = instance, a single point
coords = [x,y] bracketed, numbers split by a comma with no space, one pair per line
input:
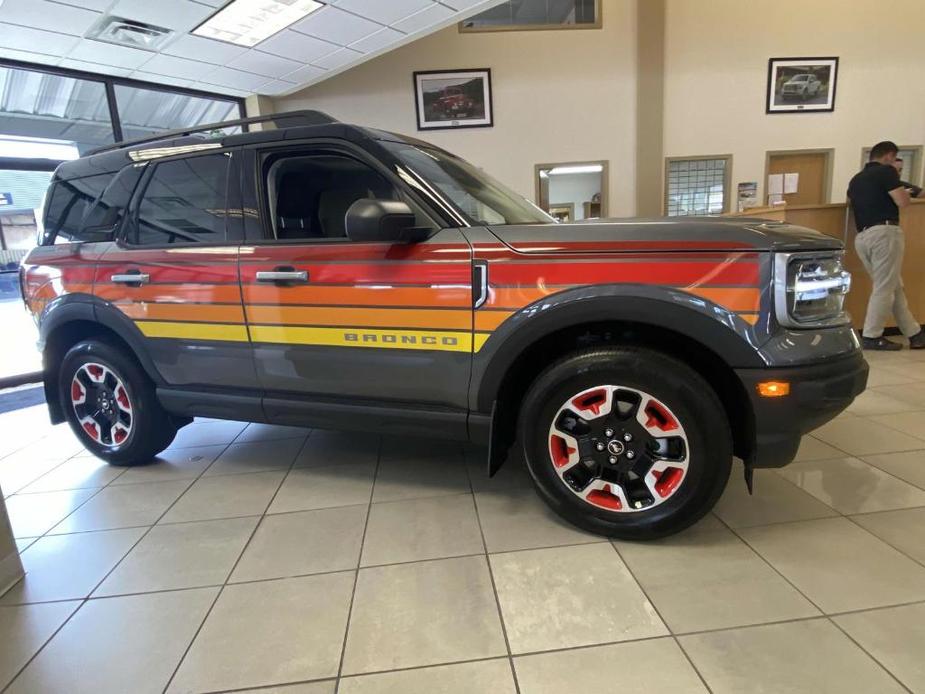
[832,221]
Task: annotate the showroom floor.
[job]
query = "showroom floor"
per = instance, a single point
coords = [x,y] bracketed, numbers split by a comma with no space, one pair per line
[233,564]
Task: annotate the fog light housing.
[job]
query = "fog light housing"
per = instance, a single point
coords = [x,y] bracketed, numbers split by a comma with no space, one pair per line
[810,289]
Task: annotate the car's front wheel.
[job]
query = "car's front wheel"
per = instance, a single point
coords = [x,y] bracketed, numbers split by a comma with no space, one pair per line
[626,442]
[111,404]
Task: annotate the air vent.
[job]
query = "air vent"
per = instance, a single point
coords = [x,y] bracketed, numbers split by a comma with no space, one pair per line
[127,32]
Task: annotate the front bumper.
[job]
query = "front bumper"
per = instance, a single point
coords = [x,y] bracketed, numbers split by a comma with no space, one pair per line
[818,393]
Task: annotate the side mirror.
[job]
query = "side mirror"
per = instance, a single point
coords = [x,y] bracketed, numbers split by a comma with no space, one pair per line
[382,220]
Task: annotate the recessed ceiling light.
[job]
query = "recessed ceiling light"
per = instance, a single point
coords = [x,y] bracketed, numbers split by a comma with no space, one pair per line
[248,22]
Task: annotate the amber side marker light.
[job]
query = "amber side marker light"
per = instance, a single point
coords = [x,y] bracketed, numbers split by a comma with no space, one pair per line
[773,389]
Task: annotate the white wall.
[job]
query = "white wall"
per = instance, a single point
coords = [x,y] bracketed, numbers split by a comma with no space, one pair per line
[716,74]
[558,96]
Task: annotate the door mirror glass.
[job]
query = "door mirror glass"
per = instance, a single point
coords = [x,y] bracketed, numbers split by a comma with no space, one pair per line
[572,191]
[382,220]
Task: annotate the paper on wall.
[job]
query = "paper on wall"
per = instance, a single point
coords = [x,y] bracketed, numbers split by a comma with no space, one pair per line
[791,182]
[775,184]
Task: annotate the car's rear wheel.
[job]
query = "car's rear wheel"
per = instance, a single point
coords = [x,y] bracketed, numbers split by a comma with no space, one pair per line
[111,404]
[626,442]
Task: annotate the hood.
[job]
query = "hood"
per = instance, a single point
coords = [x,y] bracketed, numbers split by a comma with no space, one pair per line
[663,234]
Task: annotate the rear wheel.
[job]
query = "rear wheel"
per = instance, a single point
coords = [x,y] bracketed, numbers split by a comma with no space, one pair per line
[111,404]
[626,442]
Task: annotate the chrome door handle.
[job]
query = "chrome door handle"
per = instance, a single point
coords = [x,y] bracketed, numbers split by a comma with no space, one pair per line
[131,278]
[283,276]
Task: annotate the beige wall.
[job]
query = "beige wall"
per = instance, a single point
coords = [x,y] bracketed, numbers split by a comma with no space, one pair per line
[716,74]
[557,96]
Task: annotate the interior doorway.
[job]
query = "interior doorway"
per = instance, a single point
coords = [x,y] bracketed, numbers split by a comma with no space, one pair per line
[572,191]
[814,175]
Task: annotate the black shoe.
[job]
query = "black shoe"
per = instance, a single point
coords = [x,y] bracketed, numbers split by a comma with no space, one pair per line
[882,344]
[917,341]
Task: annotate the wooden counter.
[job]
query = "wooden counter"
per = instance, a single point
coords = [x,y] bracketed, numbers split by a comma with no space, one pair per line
[831,220]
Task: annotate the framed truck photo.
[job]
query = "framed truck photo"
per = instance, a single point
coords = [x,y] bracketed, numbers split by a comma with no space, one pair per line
[453,99]
[801,85]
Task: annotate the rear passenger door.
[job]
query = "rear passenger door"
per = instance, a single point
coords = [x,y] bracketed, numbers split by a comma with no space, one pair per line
[356,323]
[174,271]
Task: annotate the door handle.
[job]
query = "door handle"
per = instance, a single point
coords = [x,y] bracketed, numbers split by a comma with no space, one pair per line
[131,278]
[282,274]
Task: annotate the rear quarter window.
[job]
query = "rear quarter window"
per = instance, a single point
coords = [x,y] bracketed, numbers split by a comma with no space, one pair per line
[68,203]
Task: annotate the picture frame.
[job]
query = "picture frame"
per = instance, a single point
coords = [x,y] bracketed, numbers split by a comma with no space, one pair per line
[801,85]
[451,99]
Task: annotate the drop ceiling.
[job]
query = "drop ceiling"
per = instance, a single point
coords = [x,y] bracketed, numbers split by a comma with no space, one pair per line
[332,39]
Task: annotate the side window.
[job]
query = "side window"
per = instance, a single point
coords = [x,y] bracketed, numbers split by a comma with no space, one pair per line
[68,203]
[106,214]
[183,202]
[308,195]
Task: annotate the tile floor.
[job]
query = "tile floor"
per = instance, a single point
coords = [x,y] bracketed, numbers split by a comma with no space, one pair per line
[307,562]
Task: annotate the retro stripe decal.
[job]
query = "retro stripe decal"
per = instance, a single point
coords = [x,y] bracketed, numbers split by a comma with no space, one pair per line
[363,337]
[193,331]
[447,319]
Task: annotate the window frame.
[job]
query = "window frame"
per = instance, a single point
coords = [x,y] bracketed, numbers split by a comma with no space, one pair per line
[130,219]
[913,173]
[605,183]
[727,178]
[596,24]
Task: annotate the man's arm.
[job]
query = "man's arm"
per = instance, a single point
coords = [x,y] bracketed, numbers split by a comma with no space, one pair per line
[901,197]
[914,190]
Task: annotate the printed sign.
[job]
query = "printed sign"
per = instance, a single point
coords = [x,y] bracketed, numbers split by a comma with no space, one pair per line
[6,199]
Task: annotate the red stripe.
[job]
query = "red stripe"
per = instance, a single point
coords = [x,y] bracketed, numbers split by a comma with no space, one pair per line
[40,274]
[362,273]
[672,274]
[197,274]
[355,252]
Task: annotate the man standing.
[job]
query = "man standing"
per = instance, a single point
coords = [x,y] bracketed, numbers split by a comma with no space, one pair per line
[876,195]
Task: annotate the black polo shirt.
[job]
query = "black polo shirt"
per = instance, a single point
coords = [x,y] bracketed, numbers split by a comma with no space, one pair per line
[869,192]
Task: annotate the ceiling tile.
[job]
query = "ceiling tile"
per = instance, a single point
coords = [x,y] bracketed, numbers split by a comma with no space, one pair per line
[109,53]
[385,12]
[264,64]
[179,15]
[219,89]
[382,38]
[227,77]
[305,74]
[28,56]
[26,39]
[97,5]
[424,19]
[172,66]
[295,46]
[277,87]
[94,67]
[46,15]
[338,58]
[337,26]
[156,78]
[466,4]
[199,48]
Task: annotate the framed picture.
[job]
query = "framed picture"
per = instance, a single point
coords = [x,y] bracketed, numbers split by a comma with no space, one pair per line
[801,85]
[453,99]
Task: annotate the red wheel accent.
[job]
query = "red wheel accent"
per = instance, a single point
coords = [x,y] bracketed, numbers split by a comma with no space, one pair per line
[668,480]
[659,417]
[122,398]
[92,430]
[591,401]
[76,392]
[605,498]
[560,450]
[95,370]
[119,436]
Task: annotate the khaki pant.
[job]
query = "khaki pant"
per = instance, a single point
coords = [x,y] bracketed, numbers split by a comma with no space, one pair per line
[881,251]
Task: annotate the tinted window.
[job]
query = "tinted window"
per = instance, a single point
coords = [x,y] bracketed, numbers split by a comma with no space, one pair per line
[184,202]
[68,203]
[107,213]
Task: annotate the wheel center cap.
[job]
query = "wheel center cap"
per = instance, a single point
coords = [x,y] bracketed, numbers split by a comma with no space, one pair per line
[615,447]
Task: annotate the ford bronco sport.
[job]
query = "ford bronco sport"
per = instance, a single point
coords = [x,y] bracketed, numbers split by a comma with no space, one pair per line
[322,274]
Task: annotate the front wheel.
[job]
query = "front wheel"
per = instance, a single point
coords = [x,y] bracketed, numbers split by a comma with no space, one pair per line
[111,404]
[626,442]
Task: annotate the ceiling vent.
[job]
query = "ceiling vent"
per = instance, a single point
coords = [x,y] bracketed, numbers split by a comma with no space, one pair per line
[127,32]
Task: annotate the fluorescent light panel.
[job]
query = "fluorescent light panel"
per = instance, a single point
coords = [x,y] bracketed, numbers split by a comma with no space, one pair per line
[248,22]
[590,168]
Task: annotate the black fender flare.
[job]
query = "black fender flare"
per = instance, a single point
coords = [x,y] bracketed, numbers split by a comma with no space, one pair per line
[719,330]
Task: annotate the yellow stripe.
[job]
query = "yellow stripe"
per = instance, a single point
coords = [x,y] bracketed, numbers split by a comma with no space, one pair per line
[480,340]
[364,337]
[194,331]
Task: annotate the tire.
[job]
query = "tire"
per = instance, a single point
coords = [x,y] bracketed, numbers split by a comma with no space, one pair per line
[669,472]
[111,404]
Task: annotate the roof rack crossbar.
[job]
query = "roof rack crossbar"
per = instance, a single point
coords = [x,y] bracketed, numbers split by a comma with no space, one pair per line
[311,118]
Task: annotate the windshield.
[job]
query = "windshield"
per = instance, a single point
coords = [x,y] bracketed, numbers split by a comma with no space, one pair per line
[480,198]
[800,78]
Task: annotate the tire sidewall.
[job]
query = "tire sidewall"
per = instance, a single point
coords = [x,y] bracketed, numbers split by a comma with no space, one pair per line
[681,389]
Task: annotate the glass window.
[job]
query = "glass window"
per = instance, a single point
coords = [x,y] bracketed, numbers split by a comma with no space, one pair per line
[54,108]
[696,186]
[106,215]
[184,202]
[144,112]
[537,14]
[478,196]
[68,203]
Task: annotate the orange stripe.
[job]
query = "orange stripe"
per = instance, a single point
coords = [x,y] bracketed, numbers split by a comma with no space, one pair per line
[202,313]
[367,317]
[359,296]
[199,293]
[489,320]
[734,299]
[517,297]
[750,318]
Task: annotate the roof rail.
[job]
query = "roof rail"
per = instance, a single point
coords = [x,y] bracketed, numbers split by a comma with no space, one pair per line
[305,117]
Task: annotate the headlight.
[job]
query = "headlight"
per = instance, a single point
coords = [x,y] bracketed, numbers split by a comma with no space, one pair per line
[810,289]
